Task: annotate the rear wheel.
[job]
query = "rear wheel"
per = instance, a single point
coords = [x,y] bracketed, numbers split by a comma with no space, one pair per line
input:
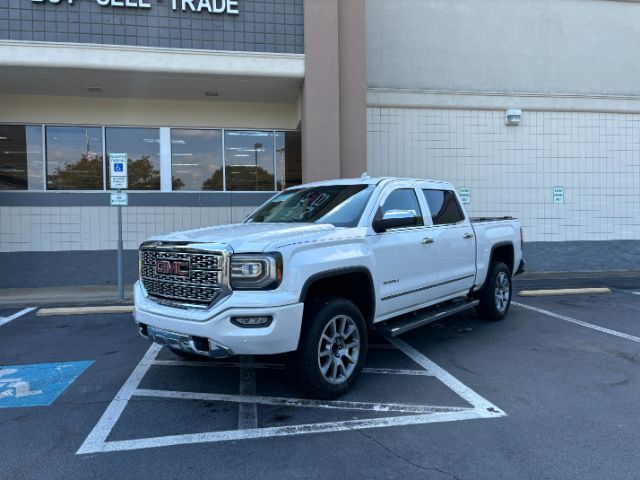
[333,348]
[495,296]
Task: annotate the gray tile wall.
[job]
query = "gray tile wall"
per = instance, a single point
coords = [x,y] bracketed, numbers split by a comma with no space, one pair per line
[261,26]
[513,170]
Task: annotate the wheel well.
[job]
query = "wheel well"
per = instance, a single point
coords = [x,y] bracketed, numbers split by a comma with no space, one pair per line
[503,253]
[354,285]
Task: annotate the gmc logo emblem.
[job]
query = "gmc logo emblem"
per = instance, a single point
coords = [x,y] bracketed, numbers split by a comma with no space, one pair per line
[172,267]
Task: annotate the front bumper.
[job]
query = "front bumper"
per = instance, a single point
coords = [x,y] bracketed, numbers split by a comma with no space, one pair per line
[216,336]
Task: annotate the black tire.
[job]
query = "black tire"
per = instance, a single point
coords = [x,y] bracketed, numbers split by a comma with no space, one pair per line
[194,357]
[305,369]
[493,304]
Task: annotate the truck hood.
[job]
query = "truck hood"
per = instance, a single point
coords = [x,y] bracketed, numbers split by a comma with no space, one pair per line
[250,237]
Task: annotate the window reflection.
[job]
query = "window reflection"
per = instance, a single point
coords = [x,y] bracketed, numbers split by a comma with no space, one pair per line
[196,159]
[21,157]
[142,146]
[249,160]
[74,158]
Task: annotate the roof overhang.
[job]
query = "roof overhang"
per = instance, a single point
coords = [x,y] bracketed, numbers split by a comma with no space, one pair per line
[43,68]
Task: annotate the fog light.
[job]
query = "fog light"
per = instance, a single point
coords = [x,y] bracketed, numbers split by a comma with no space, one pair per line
[251,322]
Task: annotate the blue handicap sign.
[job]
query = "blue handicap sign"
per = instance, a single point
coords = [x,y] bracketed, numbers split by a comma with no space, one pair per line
[38,384]
[118,167]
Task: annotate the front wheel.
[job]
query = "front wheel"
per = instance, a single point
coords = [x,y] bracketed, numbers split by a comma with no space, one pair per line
[333,348]
[495,296]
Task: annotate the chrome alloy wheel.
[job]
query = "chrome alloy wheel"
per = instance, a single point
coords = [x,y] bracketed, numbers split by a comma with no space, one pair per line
[339,349]
[502,292]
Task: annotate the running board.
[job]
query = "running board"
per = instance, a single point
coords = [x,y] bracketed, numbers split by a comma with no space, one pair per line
[409,321]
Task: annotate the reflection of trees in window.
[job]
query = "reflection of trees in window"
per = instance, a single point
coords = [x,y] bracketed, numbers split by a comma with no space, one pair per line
[142,175]
[241,177]
[86,174]
[176,183]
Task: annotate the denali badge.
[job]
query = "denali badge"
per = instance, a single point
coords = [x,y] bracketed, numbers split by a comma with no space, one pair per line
[172,267]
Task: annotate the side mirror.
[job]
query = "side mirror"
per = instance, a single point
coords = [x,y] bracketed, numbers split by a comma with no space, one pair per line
[395,219]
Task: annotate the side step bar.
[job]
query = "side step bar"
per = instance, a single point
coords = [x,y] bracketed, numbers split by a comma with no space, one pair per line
[407,322]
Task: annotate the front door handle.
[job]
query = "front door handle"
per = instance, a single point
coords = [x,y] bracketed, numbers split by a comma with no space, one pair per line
[468,235]
[427,241]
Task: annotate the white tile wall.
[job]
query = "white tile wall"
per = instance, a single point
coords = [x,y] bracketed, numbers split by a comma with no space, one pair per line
[512,170]
[96,228]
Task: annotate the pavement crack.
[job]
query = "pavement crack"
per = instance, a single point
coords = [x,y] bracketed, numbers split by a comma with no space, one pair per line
[406,460]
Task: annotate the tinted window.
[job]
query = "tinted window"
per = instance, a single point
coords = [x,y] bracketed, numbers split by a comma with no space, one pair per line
[288,159]
[249,158]
[20,157]
[196,159]
[402,199]
[443,206]
[142,146]
[74,158]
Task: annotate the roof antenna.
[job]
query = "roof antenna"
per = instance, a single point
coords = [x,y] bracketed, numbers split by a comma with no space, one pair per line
[364,176]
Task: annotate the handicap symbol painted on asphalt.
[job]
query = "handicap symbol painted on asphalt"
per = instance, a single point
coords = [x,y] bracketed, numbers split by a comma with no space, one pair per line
[38,384]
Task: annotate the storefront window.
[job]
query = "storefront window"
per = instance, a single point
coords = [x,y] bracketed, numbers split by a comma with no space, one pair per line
[74,158]
[196,159]
[288,159]
[21,157]
[142,146]
[249,160]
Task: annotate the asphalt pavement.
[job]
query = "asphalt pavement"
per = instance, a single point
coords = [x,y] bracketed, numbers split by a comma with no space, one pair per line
[550,392]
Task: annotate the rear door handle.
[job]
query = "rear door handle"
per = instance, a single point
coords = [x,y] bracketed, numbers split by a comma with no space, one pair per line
[427,241]
[468,235]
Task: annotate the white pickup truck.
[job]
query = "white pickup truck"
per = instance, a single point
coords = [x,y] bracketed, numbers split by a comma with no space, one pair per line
[317,266]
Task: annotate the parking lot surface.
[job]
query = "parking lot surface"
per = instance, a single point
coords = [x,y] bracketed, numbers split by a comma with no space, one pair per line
[550,392]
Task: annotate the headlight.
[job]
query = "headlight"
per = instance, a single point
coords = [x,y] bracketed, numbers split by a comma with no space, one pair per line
[256,271]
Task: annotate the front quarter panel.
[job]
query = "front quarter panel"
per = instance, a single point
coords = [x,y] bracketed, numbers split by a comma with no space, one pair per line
[305,260]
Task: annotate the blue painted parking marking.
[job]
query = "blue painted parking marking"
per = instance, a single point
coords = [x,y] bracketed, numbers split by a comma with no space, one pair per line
[38,384]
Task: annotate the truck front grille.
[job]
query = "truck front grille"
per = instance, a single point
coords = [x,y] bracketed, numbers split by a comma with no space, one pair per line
[182,277]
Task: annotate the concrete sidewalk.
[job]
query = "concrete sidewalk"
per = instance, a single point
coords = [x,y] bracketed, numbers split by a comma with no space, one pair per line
[108,295]
[63,296]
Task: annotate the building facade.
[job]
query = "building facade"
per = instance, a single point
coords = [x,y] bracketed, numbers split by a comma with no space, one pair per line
[442,75]
[220,103]
[213,102]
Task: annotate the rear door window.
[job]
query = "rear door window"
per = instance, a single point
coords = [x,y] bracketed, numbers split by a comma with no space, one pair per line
[443,206]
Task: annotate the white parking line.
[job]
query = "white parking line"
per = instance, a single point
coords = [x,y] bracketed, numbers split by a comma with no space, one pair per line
[414,414]
[270,432]
[482,405]
[608,331]
[98,436]
[636,293]
[298,402]
[5,320]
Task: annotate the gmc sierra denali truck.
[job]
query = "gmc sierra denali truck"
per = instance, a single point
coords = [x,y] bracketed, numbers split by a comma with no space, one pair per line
[318,266]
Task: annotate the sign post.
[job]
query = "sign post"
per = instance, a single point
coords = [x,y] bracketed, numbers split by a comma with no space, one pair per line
[118,180]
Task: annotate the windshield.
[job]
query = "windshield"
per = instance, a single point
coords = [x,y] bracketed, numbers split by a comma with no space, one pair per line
[339,205]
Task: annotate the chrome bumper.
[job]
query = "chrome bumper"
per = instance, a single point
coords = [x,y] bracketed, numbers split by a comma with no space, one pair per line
[186,343]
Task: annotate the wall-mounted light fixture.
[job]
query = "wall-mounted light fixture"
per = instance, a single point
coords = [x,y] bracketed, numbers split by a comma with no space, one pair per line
[513,116]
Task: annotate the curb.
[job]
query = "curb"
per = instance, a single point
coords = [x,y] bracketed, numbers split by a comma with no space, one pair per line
[563,291]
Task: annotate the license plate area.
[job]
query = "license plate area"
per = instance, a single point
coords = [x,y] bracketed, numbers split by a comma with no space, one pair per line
[172,339]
